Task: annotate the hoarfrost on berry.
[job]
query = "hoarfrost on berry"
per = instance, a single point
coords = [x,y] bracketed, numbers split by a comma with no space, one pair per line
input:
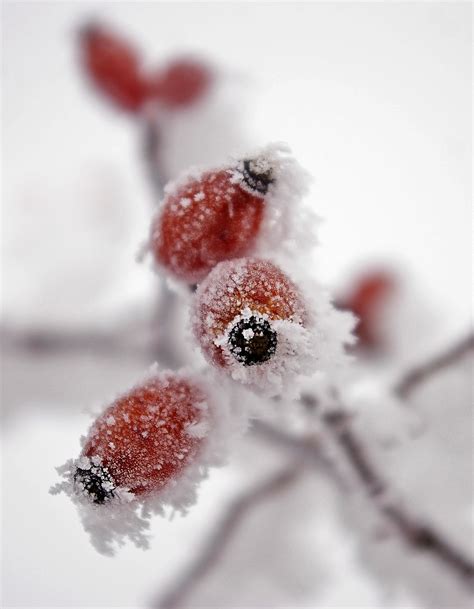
[252,321]
[247,205]
[166,432]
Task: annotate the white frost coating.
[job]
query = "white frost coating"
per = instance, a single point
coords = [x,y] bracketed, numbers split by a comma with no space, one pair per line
[198,430]
[126,516]
[108,525]
[288,225]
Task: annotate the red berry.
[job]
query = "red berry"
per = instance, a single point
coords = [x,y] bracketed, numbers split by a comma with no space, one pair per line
[366,300]
[114,67]
[145,439]
[182,83]
[216,216]
[238,309]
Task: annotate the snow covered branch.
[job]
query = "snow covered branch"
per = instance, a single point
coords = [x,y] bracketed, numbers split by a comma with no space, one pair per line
[218,540]
[411,529]
[308,448]
[310,451]
[44,341]
[414,377]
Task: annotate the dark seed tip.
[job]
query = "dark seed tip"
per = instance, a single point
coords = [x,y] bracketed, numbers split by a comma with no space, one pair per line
[91,483]
[257,179]
[252,341]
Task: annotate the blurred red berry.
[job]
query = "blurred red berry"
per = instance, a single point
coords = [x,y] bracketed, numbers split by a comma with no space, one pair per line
[366,300]
[214,217]
[144,440]
[236,308]
[182,83]
[114,67]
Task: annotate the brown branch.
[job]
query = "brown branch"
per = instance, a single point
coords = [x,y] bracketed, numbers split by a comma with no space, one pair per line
[219,539]
[309,449]
[413,378]
[38,341]
[412,530]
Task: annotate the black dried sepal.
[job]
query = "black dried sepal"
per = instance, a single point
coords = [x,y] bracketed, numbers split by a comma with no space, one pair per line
[91,483]
[256,180]
[256,349]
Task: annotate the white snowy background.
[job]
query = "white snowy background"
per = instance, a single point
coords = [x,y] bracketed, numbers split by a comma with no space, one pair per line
[375,101]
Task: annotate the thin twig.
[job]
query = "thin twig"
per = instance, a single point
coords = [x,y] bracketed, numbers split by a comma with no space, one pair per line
[308,448]
[412,530]
[414,377]
[38,341]
[216,544]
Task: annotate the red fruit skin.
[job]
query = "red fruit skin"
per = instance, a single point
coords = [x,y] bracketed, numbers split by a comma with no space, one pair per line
[204,222]
[258,285]
[142,438]
[182,83]
[366,300]
[114,68]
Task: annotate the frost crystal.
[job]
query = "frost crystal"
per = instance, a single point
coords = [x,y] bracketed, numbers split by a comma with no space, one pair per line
[94,481]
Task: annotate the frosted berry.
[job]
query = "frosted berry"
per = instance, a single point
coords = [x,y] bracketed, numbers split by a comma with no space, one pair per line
[183,82]
[242,312]
[114,67]
[210,218]
[144,440]
[366,300]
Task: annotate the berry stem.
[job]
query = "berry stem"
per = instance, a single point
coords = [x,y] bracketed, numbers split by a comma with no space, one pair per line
[151,152]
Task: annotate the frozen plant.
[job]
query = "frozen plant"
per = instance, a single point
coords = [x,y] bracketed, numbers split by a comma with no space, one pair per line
[262,333]
[231,238]
[250,320]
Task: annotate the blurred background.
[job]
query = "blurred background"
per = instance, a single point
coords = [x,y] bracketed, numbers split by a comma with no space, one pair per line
[375,101]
